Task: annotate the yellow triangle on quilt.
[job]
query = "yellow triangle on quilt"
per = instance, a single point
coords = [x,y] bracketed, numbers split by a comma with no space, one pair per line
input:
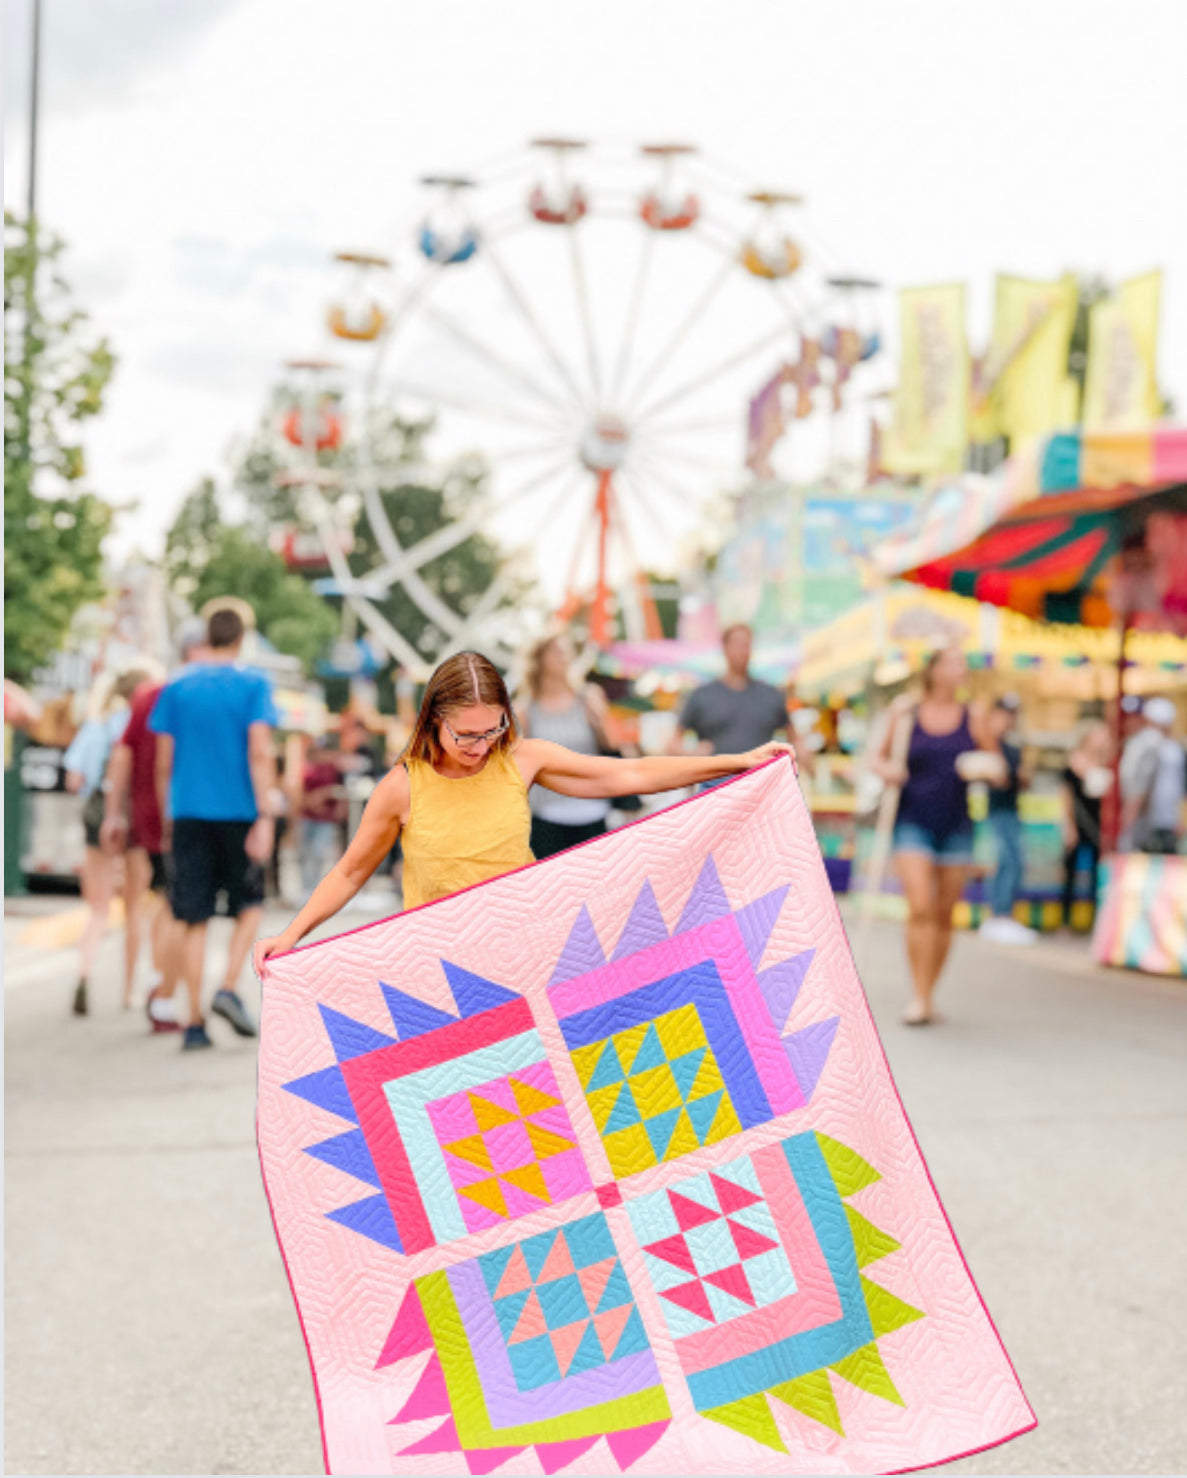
[865,1369]
[529,1099]
[528,1178]
[473,1150]
[813,1395]
[545,1143]
[849,1171]
[486,1193]
[752,1417]
[886,1312]
[869,1241]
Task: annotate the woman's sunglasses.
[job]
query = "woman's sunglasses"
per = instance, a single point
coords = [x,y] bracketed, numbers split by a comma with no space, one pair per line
[472,741]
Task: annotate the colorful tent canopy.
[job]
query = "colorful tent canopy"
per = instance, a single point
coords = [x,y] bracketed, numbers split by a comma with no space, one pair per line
[1041,540]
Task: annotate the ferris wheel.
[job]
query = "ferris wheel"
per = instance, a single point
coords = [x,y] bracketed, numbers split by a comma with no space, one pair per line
[588,324]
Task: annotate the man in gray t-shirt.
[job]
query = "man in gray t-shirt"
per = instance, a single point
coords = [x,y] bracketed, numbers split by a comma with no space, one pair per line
[736,713]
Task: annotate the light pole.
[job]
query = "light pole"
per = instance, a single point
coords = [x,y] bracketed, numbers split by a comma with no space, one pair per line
[34,90]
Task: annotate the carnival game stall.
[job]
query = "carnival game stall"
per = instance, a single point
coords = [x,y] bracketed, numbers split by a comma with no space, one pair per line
[1090,529]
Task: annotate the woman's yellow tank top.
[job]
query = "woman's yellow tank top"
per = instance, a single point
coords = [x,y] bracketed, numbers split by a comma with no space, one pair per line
[465,831]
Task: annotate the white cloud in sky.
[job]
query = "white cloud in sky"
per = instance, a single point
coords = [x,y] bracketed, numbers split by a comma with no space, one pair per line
[202,159]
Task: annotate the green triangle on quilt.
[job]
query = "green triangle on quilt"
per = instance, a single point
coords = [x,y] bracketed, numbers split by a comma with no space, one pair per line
[849,1171]
[813,1396]
[752,1417]
[865,1370]
[869,1242]
[887,1313]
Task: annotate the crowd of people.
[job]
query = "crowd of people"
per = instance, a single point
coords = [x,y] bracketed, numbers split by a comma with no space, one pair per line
[188,800]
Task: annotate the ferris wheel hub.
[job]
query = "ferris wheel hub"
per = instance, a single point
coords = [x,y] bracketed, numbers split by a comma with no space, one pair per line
[605,444]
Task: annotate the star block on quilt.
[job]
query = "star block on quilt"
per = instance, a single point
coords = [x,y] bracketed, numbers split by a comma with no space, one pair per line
[538,1344]
[458,1123]
[655,1091]
[509,1147]
[682,1038]
[758,1268]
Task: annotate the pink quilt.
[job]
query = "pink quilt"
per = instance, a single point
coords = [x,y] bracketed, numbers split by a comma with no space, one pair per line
[599,1168]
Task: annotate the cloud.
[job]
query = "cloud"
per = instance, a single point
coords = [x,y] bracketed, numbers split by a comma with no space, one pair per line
[92,51]
[216,266]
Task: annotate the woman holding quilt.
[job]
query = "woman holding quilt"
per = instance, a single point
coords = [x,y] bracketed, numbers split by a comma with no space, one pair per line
[458,801]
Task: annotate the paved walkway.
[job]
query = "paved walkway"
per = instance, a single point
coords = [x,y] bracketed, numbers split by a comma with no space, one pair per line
[150,1328]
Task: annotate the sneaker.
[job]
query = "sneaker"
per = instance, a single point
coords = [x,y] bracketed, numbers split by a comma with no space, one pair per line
[80,1006]
[161,1012]
[232,1010]
[1006,931]
[195,1038]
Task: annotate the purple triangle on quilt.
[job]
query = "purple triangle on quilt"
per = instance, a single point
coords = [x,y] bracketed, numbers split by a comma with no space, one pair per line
[582,953]
[807,1051]
[781,984]
[644,927]
[350,1038]
[347,1152]
[474,993]
[757,919]
[412,1018]
[706,902]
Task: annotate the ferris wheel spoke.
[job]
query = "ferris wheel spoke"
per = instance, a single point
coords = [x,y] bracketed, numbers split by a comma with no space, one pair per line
[524,308]
[716,465]
[506,367]
[633,311]
[650,469]
[699,426]
[715,372]
[379,626]
[484,409]
[581,288]
[687,324]
[442,540]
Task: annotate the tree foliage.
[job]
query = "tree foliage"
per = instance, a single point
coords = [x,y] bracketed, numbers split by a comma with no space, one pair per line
[206,556]
[418,501]
[54,379]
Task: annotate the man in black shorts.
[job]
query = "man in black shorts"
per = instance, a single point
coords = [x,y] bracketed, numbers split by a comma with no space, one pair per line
[216,767]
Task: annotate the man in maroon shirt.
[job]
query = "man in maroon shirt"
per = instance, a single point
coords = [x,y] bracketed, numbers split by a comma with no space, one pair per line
[137,828]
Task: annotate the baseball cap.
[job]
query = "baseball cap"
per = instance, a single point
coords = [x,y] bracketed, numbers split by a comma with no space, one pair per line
[1010,702]
[1160,711]
[192,634]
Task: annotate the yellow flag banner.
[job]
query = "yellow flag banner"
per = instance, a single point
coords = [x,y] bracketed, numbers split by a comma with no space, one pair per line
[929,432]
[1021,388]
[1121,384]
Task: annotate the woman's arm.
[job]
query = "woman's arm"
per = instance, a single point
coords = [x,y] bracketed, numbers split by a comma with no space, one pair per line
[382,818]
[881,759]
[600,777]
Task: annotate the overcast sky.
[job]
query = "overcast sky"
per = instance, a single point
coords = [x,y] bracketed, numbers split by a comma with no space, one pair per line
[202,157]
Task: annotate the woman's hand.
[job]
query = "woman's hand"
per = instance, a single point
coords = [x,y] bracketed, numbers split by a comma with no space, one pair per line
[263,949]
[767,752]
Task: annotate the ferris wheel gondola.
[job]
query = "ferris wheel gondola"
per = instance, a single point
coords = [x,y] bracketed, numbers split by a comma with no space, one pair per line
[598,395]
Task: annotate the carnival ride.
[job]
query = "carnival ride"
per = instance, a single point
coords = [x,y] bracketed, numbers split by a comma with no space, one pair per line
[590,322]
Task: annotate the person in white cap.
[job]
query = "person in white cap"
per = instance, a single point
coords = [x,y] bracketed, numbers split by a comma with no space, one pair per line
[1153,783]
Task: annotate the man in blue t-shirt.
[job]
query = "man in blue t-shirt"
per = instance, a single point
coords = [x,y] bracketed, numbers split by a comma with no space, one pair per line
[215,769]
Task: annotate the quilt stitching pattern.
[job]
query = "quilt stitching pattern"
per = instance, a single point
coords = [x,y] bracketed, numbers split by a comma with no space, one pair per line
[718,1281]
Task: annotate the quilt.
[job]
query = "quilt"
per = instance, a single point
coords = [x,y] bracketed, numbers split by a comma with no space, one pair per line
[599,1167]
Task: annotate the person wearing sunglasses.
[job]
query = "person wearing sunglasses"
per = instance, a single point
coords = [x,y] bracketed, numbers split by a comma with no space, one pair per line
[458,800]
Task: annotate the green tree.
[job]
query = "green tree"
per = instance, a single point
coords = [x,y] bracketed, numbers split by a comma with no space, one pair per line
[417,504]
[54,380]
[205,556]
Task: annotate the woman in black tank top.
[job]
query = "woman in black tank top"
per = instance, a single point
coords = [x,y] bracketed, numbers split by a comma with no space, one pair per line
[933,835]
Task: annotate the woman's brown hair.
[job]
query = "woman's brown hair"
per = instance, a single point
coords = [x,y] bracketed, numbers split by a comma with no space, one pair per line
[460,682]
[534,676]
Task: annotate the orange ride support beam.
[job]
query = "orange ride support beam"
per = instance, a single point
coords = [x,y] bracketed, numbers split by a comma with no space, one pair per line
[599,616]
